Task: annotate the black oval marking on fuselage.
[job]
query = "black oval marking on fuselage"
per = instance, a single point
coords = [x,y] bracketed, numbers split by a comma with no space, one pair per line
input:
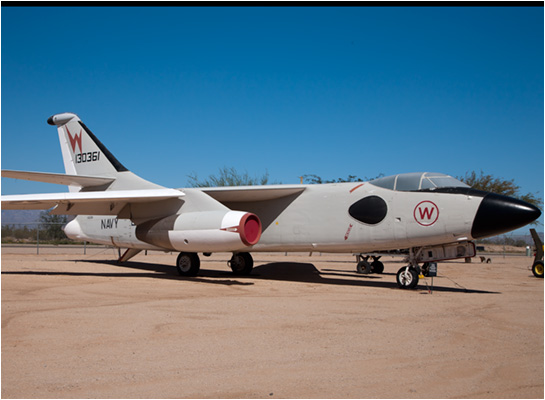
[369,210]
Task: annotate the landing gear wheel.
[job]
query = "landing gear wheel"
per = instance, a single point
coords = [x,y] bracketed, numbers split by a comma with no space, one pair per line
[364,267]
[407,278]
[241,263]
[537,269]
[377,267]
[188,264]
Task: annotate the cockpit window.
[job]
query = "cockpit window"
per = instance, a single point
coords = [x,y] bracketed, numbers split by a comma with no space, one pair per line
[417,181]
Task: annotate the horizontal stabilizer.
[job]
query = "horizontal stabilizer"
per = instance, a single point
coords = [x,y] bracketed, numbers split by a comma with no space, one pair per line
[89,203]
[61,179]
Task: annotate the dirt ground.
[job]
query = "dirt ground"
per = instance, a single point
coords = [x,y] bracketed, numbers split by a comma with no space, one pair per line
[301,326]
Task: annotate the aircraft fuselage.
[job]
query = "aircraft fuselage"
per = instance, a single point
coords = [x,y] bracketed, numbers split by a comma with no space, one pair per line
[325,218]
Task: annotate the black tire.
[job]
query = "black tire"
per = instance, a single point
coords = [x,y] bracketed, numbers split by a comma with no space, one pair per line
[188,264]
[537,269]
[241,263]
[377,267]
[364,267]
[407,279]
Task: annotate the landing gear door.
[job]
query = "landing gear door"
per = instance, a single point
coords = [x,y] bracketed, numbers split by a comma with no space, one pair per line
[447,252]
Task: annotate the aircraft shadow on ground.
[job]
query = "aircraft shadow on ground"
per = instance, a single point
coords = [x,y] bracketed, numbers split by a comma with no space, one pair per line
[276,271]
[156,271]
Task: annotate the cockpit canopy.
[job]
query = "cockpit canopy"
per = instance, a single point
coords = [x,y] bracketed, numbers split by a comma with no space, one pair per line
[417,181]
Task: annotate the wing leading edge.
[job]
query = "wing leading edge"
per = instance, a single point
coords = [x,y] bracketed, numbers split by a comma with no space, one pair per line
[88,203]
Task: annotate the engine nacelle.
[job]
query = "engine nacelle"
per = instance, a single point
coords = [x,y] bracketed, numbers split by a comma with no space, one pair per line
[203,231]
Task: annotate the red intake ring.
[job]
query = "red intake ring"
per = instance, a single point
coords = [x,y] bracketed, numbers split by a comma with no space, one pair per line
[250,229]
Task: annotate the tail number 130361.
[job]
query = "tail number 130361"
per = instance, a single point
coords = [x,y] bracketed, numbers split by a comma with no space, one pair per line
[87,157]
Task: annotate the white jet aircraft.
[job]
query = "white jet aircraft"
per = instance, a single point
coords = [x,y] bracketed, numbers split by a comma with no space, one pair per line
[433,215]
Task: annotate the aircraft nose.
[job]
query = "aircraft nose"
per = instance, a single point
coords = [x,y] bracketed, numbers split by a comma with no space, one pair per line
[499,214]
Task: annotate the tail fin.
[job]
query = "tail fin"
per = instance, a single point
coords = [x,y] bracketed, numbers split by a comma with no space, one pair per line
[84,154]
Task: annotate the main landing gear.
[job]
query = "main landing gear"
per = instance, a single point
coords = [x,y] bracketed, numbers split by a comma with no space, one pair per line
[366,267]
[189,264]
[241,263]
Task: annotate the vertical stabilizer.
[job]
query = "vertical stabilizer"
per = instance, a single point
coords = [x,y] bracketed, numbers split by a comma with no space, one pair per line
[84,154]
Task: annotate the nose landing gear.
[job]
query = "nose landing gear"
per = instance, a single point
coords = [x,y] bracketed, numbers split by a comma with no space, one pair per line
[407,277]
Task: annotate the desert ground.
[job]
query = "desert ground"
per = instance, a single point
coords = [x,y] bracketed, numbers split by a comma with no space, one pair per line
[77,325]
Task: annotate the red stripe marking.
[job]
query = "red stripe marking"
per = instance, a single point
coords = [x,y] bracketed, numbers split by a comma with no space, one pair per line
[360,185]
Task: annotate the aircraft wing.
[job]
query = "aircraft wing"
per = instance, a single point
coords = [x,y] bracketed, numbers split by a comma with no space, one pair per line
[89,203]
[61,179]
[143,204]
[231,194]
[265,201]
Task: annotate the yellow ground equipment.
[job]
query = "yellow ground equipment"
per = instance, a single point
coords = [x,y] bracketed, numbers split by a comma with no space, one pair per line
[537,266]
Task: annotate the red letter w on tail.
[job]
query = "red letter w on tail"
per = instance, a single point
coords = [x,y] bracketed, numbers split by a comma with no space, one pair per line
[75,140]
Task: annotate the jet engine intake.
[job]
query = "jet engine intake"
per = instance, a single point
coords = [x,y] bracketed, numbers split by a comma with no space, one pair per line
[203,231]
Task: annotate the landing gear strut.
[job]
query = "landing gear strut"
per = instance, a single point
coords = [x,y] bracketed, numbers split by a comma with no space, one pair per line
[241,263]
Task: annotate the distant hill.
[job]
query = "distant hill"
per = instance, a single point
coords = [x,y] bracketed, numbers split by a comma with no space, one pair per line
[528,238]
[511,239]
[22,217]
[14,217]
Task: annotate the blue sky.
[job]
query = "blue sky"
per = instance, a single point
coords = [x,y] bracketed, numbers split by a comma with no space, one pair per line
[288,91]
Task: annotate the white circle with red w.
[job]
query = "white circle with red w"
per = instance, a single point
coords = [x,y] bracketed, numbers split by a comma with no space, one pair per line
[426,213]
